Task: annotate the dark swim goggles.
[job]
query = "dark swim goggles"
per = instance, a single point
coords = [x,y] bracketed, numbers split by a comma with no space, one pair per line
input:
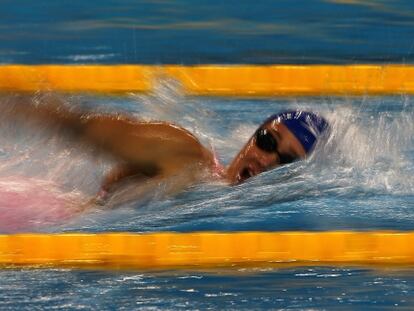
[265,141]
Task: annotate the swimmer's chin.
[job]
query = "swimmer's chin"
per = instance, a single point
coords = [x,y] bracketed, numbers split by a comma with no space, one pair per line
[245,174]
[236,178]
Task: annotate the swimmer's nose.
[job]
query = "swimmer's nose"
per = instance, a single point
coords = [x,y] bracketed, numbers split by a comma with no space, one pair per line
[264,159]
[268,161]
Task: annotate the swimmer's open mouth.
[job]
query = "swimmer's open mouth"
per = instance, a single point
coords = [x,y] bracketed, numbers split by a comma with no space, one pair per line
[245,174]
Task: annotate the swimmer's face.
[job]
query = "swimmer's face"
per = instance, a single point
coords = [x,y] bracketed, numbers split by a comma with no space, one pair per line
[271,146]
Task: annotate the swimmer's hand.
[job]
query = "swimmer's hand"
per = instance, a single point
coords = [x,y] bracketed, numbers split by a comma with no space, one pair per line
[101,198]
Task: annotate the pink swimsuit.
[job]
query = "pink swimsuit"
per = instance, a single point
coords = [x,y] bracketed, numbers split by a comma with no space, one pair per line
[29,203]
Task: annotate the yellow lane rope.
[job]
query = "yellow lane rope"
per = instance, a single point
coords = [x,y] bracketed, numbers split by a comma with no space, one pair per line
[166,249]
[240,80]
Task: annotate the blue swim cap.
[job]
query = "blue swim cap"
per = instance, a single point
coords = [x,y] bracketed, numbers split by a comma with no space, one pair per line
[306,126]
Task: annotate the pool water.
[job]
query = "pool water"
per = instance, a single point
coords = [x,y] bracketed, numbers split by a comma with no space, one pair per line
[317,288]
[361,178]
[200,31]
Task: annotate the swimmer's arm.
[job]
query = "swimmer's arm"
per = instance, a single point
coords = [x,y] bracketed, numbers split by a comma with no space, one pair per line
[115,176]
[41,111]
[174,179]
[143,144]
[159,186]
[123,171]
[155,151]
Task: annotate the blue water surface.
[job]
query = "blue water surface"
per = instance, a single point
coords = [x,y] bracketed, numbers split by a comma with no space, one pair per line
[360,179]
[316,288]
[198,31]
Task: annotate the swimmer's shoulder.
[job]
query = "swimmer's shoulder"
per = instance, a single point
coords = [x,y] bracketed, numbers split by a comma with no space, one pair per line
[165,143]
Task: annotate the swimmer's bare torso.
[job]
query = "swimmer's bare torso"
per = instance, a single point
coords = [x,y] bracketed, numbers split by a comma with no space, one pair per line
[143,150]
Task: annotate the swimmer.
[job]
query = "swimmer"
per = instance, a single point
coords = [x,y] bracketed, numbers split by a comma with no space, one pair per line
[150,152]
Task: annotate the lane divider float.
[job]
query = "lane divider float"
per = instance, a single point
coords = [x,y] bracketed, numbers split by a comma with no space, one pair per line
[215,80]
[206,249]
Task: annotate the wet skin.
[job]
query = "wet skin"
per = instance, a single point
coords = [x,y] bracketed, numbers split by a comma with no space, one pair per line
[156,150]
[252,160]
[143,150]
